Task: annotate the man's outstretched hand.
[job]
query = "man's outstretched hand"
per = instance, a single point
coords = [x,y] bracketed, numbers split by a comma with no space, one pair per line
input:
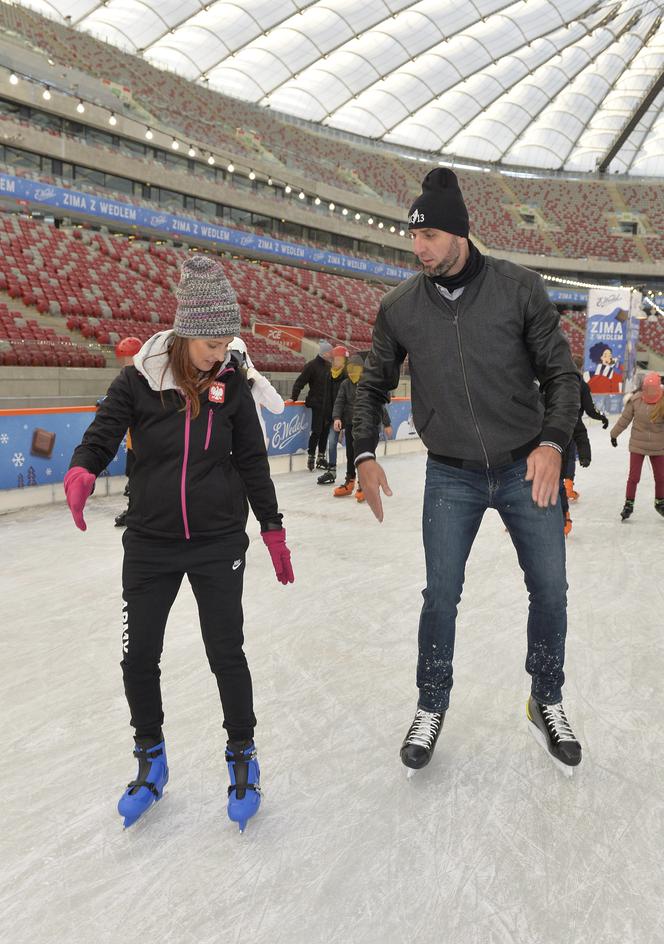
[372,480]
[544,467]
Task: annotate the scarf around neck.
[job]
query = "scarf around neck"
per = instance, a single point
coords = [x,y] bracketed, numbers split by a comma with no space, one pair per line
[472,268]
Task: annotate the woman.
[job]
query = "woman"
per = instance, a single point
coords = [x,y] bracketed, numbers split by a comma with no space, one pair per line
[199,455]
[645,411]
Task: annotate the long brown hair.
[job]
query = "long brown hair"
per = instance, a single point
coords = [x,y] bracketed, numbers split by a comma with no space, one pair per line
[191,381]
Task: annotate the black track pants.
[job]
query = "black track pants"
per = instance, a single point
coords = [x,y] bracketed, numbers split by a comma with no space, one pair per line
[152,572]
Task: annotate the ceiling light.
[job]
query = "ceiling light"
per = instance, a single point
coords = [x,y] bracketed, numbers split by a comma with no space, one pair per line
[13,79]
[392,229]
[148,134]
[192,151]
[112,120]
[211,160]
[231,168]
[302,195]
[381,224]
[358,216]
[317,201]
[252,175]
[331,207]
[344,212]
[46,94]
[402,232]
[269,181]
[370,221]
[287,188]
[175,144]
[80,108]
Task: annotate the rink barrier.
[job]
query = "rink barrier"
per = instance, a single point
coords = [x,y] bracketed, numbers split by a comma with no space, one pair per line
[36,445]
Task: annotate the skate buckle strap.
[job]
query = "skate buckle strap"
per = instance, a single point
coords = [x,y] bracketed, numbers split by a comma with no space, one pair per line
[150,753]
[143,783]
[558,725]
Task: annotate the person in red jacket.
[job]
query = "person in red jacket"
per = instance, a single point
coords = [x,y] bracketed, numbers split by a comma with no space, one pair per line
[200,454]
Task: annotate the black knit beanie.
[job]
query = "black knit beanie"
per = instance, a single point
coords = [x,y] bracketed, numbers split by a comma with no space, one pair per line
[440,205]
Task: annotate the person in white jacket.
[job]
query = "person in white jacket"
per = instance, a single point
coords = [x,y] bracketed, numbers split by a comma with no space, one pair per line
[262,390]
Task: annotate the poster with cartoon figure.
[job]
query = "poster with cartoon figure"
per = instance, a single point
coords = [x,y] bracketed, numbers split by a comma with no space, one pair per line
[606,339]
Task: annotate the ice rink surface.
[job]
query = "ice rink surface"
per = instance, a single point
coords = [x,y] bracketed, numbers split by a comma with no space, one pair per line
[489,845]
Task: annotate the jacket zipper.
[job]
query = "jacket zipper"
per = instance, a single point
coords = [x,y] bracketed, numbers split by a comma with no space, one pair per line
[183,480]
[465,383]
[209,429]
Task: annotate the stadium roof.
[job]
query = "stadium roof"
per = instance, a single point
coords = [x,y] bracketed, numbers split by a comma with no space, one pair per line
[556,85]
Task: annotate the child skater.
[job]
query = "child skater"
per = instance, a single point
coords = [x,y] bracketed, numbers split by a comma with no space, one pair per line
[645,411]
[200,454]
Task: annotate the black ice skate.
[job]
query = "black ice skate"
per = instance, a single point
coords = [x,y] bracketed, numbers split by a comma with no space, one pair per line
[311,462]
[552,731]
[329,477]
[321,461]
[121,519]
[659,506]
[627,510]
[418,746]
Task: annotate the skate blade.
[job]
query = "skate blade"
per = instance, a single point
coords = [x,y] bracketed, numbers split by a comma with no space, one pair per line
[565,769]
[410,773]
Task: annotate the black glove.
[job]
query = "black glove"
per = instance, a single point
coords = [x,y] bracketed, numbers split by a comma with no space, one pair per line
[614,441]
[584,461]
[605,422]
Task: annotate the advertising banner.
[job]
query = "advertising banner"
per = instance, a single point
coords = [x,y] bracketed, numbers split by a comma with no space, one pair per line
[606,339]
[284,334]
[176,226]
[36,445]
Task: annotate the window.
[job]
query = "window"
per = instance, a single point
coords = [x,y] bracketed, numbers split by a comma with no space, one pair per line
[629,226]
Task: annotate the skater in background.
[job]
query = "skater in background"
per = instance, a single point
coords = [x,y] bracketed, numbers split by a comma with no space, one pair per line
[337,376]
[578,445]
[342,416]
[491,443]
[262,390]
[200,455]
[589,409]
[645,412]
[315,375]
[125,351]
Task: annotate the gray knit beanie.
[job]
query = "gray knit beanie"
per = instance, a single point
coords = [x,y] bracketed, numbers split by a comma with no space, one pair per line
[207,306]
[324,348]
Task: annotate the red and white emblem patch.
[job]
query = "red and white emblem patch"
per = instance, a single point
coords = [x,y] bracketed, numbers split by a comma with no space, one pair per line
[217,393]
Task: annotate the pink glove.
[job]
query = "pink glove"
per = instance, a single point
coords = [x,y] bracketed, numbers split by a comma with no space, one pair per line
[275,542]
[79,485]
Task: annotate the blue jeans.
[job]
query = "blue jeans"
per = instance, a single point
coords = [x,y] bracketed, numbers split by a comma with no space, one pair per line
[454,503]
[332,444]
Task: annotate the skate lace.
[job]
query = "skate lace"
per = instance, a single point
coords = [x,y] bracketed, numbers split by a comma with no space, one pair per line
[424,728]
[557,723]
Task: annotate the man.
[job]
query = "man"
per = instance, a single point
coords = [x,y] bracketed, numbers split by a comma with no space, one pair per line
[316,374]
[479,332]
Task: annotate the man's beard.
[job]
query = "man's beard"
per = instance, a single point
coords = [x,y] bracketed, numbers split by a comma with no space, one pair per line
[443,268]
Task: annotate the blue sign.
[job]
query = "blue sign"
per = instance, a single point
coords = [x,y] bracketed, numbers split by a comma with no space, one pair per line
[36,448]
[181,227]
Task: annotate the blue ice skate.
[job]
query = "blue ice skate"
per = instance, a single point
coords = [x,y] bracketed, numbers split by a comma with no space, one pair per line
[244,792]
[148,787]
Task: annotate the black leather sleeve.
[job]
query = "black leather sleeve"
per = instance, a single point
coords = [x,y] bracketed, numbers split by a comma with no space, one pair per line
[554,367]
[381,375]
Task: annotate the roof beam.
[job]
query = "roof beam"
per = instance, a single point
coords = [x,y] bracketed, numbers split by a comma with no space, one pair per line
[631,124]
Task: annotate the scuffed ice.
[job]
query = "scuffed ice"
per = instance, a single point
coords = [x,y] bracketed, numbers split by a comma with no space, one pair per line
[489,845]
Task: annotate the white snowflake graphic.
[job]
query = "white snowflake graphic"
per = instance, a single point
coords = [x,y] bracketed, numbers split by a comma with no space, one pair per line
[18,459]
[4,438]
[49,471]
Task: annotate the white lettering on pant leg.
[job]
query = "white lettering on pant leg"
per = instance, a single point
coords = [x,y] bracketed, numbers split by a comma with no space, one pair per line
[125,628]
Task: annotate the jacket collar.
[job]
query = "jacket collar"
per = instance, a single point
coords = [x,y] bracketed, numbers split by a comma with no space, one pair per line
[152,362]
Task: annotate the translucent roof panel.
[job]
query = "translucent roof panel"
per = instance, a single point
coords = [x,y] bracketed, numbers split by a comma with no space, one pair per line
[550,84]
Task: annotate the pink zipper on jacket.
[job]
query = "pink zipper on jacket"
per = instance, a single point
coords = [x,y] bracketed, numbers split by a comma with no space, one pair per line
[209,429]
[183,480]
